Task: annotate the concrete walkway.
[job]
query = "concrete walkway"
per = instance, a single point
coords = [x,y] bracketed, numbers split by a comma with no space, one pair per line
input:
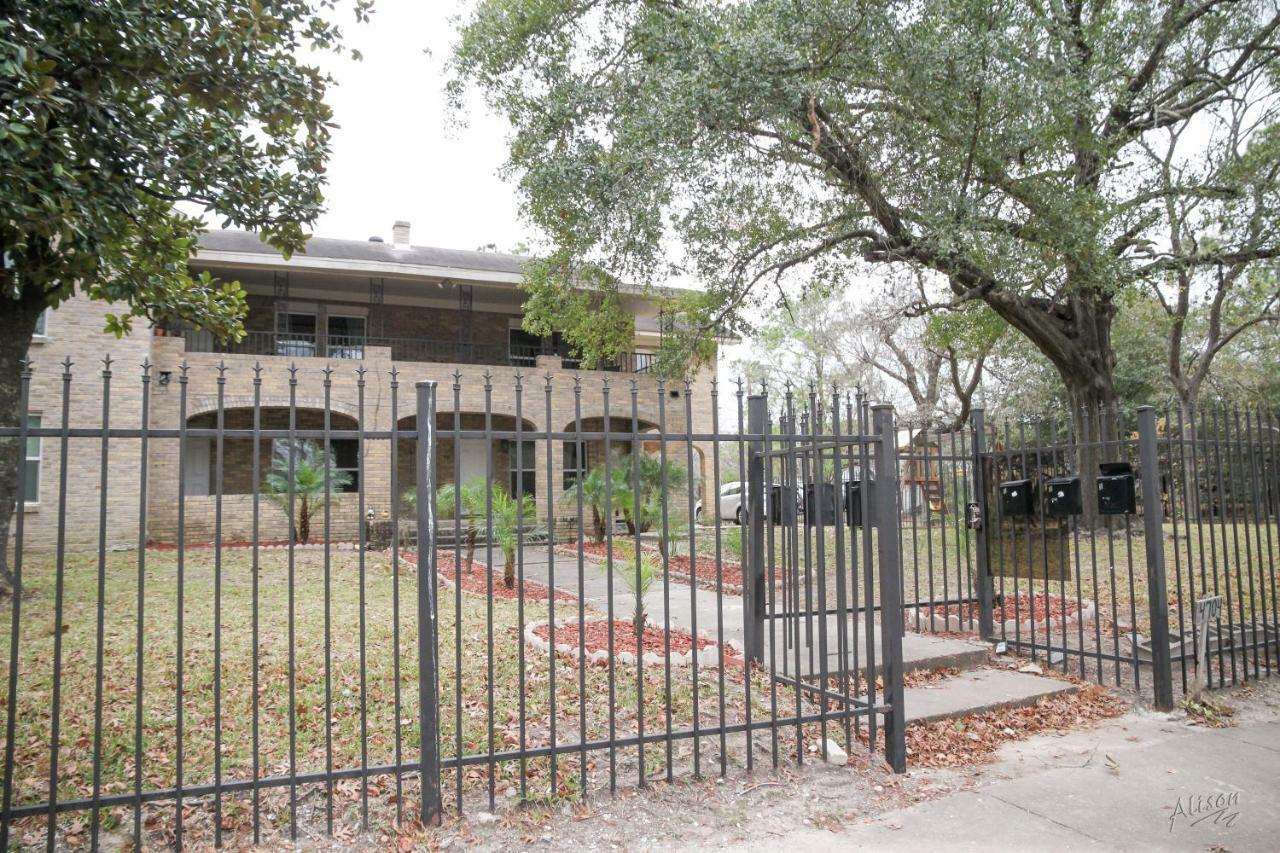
[690,607]
[1129,786]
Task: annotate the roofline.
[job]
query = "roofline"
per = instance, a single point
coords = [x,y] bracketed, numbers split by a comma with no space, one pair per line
[384,269]
[269,258]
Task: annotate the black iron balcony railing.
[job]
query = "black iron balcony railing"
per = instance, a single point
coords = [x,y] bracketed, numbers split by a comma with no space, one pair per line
[300,345]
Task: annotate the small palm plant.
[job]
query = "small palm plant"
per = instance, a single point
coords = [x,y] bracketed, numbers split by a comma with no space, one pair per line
[636,579]
[648,483]
[593,493]
[509,515]
[467,501]
[299,470]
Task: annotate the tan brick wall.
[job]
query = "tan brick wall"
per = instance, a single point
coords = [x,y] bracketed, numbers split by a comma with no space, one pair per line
[75,329]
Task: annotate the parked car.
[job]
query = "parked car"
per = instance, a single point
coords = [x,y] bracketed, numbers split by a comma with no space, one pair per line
[730,502]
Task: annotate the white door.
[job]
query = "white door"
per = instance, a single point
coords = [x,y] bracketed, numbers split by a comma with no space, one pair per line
[472,454]
[195,466]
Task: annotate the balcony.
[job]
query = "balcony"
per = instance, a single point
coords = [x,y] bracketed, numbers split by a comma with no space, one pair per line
[300,345]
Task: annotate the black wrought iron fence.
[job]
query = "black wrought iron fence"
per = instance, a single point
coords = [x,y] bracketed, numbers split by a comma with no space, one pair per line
[1086,542]
[214,640]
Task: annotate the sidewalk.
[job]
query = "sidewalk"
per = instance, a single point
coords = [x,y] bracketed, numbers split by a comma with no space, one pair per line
[1139,783]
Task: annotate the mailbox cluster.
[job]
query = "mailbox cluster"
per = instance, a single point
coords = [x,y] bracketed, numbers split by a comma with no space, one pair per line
[1117,494]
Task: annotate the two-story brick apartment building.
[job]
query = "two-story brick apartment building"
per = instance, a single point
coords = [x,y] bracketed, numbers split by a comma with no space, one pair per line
[424,313]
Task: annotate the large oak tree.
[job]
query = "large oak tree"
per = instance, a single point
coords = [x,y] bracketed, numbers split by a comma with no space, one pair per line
[999,143]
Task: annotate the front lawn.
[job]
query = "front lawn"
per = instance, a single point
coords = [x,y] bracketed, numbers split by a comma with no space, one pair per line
[340,744]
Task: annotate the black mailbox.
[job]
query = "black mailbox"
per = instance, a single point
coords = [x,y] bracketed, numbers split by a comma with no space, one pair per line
[1063,497]
[1017,497]
[819,504]
[853,502]
[1117,491]
[782,504]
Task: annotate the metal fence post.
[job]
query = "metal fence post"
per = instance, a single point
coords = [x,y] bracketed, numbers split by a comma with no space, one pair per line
[753,589]
[428,629]
[1153,536]
[890,570]
[978,523]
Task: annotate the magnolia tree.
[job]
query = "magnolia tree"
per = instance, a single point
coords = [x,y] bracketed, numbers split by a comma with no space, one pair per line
[113,113]
[1000,145]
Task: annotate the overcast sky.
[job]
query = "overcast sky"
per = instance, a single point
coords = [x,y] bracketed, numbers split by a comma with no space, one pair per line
[399,153]
[396,154]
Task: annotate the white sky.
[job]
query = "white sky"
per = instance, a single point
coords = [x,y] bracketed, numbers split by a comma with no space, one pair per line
[399,151]
[396,154]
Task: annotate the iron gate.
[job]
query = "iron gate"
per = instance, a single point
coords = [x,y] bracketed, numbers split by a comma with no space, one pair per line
[1084,542]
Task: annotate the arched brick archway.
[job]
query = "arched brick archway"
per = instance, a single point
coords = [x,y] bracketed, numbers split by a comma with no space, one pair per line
[468,457]
[237,453]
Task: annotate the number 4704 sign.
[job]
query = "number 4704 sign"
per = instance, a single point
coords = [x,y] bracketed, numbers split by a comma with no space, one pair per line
[1207,610]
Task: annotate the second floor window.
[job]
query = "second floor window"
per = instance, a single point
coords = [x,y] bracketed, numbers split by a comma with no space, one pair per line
[345,336]
[295,334]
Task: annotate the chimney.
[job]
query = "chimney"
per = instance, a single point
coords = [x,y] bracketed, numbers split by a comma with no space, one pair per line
[400,234]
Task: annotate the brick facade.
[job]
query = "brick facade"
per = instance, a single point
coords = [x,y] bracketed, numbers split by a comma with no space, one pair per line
[75,330]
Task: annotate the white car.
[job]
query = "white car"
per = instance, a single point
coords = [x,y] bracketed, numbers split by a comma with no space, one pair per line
[730,502]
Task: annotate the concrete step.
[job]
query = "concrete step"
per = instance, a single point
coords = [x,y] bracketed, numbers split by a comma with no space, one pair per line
[919,652]
[978,691]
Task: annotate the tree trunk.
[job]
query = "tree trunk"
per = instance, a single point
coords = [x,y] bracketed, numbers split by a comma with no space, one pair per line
[1075,335]
[1190,453]
[17,326]
[1095,413]
[304,521]
[597,523]
[472,533]
[509,570]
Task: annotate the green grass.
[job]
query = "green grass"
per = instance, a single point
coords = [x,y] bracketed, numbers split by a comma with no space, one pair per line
[341,670]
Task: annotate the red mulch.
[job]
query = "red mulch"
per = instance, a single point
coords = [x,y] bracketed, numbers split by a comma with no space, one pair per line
[624,638]
[677,565]
[476,580]
[731,573]
[1015,607]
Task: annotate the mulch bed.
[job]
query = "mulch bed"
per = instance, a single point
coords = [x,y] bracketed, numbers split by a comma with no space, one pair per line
[624,637]
[1023,606]
[476,580]
[653,646]
[677,566]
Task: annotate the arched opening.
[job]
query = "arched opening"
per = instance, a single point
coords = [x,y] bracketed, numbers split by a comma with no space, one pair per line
[578,459]
[199,465]
[461,459]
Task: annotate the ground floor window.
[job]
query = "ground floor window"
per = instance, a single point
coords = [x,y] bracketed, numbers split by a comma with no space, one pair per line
[575,462]
[522,469]
[346,457]
[31,479]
